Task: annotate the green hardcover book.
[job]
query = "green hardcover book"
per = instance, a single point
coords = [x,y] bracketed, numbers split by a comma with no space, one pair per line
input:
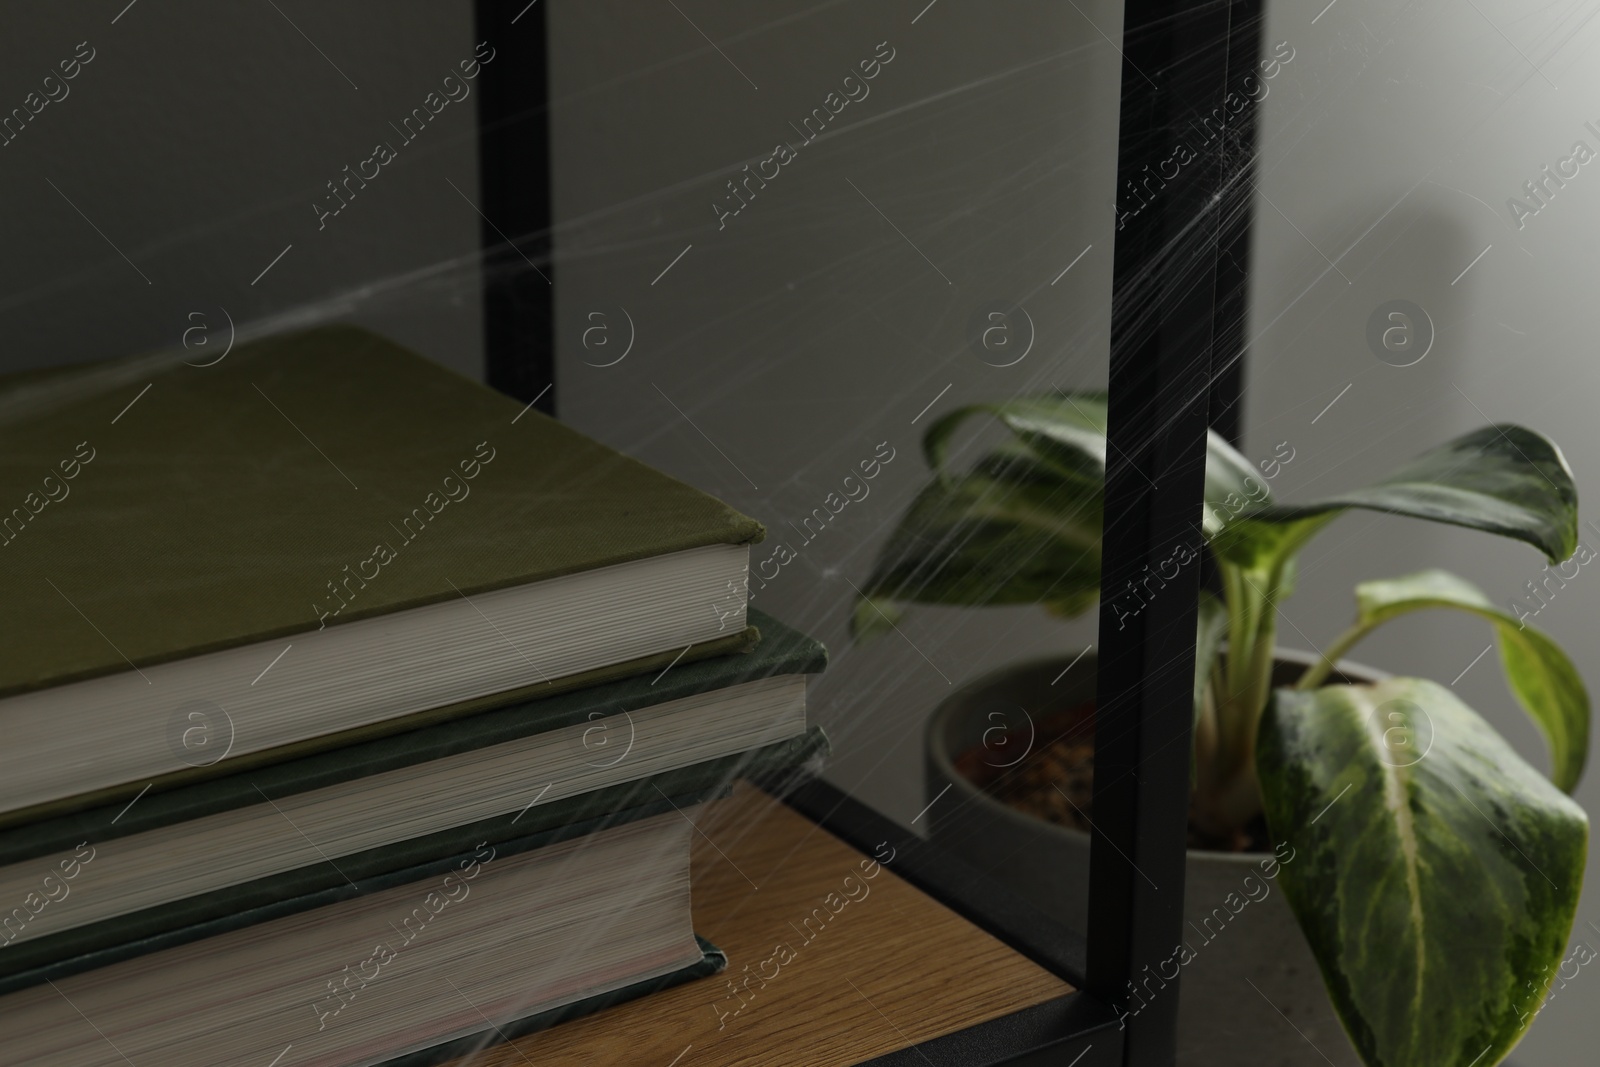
[403,969]
[253,843]
[317,538]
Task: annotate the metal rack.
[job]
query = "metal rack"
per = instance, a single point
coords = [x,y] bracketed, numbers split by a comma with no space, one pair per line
[1177,345]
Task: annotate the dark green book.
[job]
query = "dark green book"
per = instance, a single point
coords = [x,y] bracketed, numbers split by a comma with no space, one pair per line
[253,843]
[405,968]
[712,961]
[321,533]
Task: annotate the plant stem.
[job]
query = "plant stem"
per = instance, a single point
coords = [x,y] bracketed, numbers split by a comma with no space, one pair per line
[1230,795]
[1323,667]
[1249,667]
[1257,673]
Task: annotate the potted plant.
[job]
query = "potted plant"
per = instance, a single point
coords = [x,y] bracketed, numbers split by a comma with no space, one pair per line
[1433,874]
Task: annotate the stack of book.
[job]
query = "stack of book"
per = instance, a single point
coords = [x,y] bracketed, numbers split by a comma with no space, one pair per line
[352,713]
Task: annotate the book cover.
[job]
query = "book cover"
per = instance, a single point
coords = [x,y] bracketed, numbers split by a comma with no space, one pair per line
[30,962]
[712,961]
[151,510]
[104,804]
[334,758]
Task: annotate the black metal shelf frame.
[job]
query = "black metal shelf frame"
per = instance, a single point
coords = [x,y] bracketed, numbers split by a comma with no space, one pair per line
[514,195]
[1177,318]
[1177,346]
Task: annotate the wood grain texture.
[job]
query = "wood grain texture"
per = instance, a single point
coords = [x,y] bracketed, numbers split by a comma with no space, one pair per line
[833,966]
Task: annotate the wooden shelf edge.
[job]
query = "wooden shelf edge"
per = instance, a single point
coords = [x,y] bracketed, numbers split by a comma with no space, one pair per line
[973,895]
[1076,1030]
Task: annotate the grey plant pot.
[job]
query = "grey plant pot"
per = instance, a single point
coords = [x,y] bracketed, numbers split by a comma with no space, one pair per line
[1251,991]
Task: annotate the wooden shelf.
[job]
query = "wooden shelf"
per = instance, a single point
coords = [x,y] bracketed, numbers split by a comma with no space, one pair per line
[867,976]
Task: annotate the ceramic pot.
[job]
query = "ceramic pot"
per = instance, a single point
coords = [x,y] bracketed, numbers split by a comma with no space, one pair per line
[1251,991]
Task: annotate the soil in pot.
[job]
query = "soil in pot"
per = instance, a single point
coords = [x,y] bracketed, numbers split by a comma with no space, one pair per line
[1055,781]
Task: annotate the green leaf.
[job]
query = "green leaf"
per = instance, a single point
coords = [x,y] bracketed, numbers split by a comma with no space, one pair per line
[985,542]
[873,618]
[1502,479]
[1065,432]
[1435,874]
[1541,676]
[1232,485]
[1022,527]
[1012,532]
[1074,604]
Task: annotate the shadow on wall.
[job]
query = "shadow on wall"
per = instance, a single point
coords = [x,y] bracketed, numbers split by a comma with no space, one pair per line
[1359,334]
[1363,335]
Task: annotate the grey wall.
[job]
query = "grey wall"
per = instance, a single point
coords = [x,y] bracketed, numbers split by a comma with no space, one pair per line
[196,141]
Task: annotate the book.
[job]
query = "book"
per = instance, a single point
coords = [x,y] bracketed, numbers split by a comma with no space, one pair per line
[49,939]
[413,967]
[320,533]
[212,850]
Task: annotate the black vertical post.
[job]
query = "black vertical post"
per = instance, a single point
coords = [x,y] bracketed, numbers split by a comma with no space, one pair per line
[1236,211]
[514,183]
[1168,325]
